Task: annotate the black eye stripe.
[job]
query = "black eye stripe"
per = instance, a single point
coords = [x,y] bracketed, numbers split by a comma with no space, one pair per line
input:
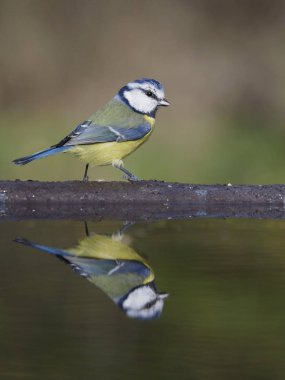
[150,94]
[148,305]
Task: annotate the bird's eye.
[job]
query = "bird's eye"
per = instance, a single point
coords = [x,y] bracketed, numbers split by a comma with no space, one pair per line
[149,93]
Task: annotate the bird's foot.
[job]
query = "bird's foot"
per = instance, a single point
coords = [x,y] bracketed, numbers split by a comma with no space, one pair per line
[85,179]
[131,178]
[127,175]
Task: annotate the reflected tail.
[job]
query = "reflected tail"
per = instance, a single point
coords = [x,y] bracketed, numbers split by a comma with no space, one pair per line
[44,248]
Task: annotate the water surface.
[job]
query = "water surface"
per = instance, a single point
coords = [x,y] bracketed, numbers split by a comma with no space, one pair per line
[224,316]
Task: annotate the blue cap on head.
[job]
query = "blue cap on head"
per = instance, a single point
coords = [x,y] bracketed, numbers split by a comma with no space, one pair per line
[153,82]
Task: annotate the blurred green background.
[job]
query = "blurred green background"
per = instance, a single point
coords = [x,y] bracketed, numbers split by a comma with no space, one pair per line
[221,62]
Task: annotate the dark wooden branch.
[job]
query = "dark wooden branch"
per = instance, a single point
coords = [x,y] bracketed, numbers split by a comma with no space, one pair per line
[138,200]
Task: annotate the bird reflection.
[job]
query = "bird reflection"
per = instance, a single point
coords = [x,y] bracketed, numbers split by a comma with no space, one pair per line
[116,269]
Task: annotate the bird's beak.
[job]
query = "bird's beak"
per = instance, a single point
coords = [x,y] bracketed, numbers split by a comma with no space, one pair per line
[164,103]
[162,296]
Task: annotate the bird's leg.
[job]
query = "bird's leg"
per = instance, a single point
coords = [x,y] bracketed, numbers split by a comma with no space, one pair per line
[86,178]
[126,225]
[86,228]
[118,235]
[118,164]
[129,176]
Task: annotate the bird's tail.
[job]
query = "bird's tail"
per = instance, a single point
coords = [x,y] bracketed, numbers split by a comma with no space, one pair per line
[43,153]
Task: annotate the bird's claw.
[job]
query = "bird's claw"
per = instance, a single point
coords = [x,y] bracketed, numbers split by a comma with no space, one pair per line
[86,179]
[131,178]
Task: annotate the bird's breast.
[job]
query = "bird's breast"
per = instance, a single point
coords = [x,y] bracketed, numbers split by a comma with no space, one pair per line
[150,120]
[106,153]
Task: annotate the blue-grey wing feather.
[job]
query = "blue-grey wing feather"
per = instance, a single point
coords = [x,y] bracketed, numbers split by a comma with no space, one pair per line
[76,132]
[90,133]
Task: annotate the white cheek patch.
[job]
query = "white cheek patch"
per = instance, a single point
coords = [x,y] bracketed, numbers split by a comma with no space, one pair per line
[139,297]
[135,305]
[154,311]
[140,101]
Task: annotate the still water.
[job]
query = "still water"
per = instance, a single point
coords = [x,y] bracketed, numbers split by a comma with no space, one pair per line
[195,299]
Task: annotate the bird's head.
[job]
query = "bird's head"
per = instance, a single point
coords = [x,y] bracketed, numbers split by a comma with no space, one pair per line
[144,302]
[143,96]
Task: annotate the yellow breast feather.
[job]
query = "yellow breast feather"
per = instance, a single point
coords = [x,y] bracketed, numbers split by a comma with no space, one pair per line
[100,154]
[106,248]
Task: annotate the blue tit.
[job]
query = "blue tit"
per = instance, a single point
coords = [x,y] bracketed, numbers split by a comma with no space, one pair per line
[115,130]
[117,270]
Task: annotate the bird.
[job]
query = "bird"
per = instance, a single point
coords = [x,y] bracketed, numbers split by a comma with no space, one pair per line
[115,268]
[115,130]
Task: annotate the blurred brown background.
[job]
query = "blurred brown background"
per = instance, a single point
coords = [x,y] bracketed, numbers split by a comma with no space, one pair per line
[221,62]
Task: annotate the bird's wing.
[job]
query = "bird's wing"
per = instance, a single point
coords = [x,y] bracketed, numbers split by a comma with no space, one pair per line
[90,133]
